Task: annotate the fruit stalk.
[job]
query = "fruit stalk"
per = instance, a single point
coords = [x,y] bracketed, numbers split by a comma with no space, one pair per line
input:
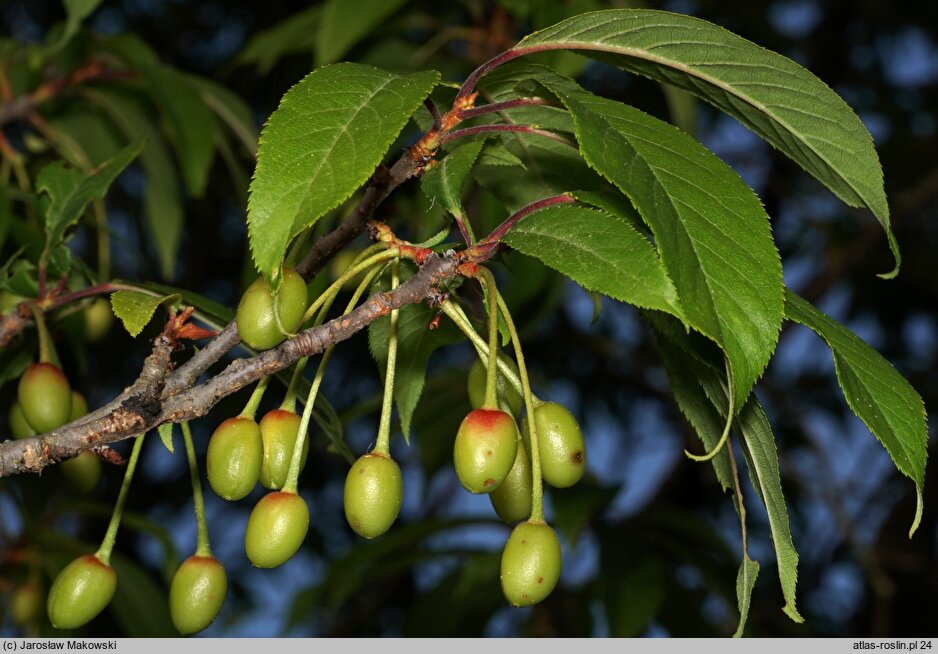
[250,409]
[384,427]
[107,545]
[203,548]
[297,456]
[336,286]
[458,316]
[488,284]
[537,487]
[47,352]
[289,399]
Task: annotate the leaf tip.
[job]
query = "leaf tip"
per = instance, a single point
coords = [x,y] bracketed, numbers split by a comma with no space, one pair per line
[792,612]
[919,507]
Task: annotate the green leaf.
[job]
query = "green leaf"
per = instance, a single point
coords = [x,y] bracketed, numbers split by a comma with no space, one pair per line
[166,435]
[416,341]
[745,582]
[191,122]
[711,230]
[76,11]
[322,143]
[875,391]
[694,368]
[770,94]
[294,34]
[684,373]
[135,309]
[758,442]
[70,191]
[598,251]
[162,199]
[346,23]
[446,181]
[232,110]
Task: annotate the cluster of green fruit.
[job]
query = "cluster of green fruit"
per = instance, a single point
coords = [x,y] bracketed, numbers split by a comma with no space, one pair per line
[492,456]
[45,401]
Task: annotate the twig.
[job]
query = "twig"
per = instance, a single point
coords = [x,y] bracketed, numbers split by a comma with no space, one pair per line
[141,409]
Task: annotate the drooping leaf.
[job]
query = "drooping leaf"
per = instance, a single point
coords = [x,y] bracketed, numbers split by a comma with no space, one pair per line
[684,375]
[758,443]
[694,369]
[232,110]
[875,391]
[745,582]
[135,309]
[415,343]
[325,139]
[70,190]
[191,121]
[770,94]
[76,11]
[446,181]
[599,251]
[711,230]
[295,34]
[162,199]
[346,23]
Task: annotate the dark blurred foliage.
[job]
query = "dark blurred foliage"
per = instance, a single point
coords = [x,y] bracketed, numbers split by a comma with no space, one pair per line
[651,545]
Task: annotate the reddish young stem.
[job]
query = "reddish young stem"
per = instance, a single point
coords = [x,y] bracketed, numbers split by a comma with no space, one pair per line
[510,222]
[523,129]
[494,107]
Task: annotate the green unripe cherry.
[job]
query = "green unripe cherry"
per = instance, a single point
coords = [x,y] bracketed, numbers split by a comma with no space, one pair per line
[80,592]
[19,426]
[26,604]
[559,443]
[485,449]
[279,430]
[197,593]
[531,563]
[257,324]
[508,396]
[85,470]
[234,457]
[98,320]
[373,494]
[45,397]
[276,529]
[512,499]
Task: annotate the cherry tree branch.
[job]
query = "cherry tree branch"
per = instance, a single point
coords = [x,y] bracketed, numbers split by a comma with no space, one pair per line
[146,404]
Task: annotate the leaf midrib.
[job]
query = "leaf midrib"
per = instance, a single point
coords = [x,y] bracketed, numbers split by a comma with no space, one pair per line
[640,53]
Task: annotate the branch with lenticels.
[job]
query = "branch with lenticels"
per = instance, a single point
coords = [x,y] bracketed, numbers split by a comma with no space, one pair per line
[146,405]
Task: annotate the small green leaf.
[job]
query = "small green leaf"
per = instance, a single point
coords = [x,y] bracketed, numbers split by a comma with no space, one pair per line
[446,181]
[322,143]
[70,191]
[745,582]
[346,23]
[415,343]
[770,94]
[875,391]
[599,251]
[135,309]
[711,230]
[166,435]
